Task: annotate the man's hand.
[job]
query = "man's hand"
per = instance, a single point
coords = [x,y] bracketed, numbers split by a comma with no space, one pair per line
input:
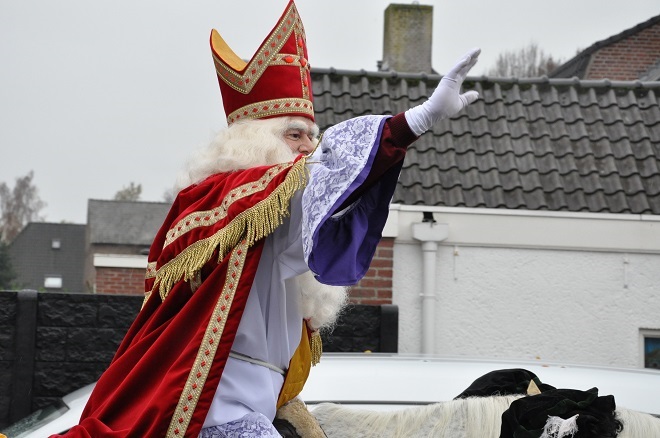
[446,99]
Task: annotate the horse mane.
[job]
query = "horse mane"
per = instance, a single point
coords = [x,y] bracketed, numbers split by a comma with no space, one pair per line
[472,417]
[637,424]
[469,417]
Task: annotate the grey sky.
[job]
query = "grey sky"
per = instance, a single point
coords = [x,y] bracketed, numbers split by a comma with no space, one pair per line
[94,95]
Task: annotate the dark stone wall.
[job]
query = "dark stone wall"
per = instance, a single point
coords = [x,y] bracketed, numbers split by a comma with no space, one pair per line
[73,337]
[76,338]
[363,328]
[54,343]
[7,318]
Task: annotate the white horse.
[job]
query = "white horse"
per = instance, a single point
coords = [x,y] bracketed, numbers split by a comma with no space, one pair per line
[474,417]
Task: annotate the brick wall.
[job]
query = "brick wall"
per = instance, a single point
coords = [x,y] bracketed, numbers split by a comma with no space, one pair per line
[628,59]
[376,286]
[374,289]
[120,281]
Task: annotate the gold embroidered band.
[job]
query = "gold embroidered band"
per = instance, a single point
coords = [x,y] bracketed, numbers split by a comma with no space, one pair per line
[269,108]
[214,329]
[210,217]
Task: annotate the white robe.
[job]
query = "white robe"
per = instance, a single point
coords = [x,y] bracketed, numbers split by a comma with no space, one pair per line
[271,325]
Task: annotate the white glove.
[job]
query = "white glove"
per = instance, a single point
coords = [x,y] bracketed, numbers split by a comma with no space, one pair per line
[445,100]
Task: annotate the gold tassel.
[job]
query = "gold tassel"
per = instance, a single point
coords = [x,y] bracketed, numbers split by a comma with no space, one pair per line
[250,225]
[316,345]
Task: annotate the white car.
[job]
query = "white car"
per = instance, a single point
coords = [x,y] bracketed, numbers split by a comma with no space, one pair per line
[392,381]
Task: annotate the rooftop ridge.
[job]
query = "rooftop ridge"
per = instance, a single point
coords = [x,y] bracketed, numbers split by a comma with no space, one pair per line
[542,80]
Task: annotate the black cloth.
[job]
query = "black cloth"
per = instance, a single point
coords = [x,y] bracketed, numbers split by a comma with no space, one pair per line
[285,428]
[527,416]
[503,382]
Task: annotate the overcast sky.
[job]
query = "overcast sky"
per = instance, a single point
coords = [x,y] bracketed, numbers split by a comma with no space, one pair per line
[97,94]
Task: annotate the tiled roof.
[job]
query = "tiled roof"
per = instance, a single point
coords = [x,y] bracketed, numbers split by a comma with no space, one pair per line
[535,144]
[124,222]
[35,256]
[577,66]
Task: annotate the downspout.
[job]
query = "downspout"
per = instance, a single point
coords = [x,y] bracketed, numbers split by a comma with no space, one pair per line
[430,233]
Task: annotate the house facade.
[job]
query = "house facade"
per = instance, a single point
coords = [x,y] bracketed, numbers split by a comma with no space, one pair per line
[47,257]
[119,235]
[525,227]
[631,55]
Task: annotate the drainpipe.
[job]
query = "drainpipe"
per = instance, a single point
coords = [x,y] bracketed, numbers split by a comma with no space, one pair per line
[429,232]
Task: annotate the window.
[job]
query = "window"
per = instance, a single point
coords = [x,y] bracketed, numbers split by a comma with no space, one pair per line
[651,348]
[53,282]
[56,244]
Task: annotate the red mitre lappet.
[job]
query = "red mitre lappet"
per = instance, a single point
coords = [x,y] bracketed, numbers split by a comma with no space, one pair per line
[275,82]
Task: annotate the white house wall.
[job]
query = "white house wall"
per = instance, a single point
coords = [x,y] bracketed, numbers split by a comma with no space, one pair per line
[574,288]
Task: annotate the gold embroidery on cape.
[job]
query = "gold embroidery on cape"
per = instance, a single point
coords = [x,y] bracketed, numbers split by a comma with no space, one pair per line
[243,83]
[214,329]
[250,225]
[210,217]
[272,107]
[151,270]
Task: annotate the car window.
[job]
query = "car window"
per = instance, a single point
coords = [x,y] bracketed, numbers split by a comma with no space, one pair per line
[35,420]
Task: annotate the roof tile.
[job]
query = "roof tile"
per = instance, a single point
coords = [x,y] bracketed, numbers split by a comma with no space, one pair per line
[537,144]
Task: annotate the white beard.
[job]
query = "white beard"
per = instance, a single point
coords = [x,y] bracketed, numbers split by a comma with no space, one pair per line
[321,303]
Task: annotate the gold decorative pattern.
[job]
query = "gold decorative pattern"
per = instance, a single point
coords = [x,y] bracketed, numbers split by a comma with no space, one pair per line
[272,107]
[151,271]
[250,225]
[243,83]
[207,350]
[210,217]
[304,64]
[296,60]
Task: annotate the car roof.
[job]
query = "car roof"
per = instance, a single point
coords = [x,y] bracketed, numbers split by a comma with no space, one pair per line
[390,381]
[370,379]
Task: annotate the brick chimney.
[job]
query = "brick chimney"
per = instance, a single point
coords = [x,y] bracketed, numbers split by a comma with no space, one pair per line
[408,39]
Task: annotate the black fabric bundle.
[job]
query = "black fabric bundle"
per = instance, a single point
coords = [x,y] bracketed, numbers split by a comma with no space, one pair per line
[503,382]
[527,416]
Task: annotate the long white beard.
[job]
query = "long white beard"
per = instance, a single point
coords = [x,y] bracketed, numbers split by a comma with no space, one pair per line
[321,303]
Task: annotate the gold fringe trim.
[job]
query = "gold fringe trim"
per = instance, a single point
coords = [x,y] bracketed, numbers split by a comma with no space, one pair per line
[144,301]
[316,345]
[251,225]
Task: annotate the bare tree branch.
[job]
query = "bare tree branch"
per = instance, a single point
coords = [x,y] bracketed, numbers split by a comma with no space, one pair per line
[130,193]
[527,62]
[19,206]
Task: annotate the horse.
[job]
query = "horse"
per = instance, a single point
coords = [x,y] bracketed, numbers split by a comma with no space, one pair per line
[472,417]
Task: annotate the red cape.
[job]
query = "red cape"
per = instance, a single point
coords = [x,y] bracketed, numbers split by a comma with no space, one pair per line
[164,375]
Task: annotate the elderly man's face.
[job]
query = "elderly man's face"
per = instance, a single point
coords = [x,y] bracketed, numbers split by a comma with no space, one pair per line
[300,134]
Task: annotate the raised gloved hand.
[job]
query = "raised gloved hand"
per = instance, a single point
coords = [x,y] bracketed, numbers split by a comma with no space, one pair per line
[446,100]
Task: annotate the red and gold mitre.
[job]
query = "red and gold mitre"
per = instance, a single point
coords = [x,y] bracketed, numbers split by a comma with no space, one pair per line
[275,82]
